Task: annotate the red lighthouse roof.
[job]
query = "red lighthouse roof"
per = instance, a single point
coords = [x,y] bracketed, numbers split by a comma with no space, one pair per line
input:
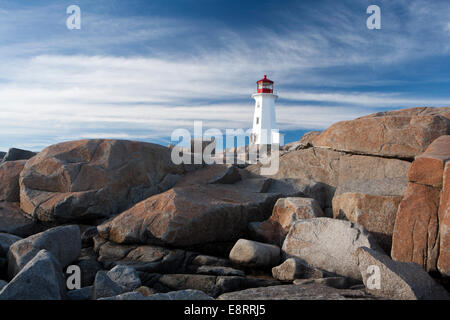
[265,79]
[264,85]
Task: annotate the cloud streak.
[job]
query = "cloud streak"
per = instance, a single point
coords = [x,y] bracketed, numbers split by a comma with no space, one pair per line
[69,86]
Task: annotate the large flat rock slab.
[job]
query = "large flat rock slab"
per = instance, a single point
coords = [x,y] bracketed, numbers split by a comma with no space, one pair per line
[401,134]
[90,179]
[194,212]
[322,173]
[372,175]
[188,216]
[311,172]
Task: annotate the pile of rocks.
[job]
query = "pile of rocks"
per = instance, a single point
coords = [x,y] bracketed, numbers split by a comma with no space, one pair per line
[117,220]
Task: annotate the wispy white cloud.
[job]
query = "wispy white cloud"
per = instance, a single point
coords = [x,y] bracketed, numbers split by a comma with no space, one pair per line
[79,96]
[49,95]
[373,100]
[84,109]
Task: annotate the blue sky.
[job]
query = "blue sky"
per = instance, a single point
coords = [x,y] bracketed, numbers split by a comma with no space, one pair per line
[140,69]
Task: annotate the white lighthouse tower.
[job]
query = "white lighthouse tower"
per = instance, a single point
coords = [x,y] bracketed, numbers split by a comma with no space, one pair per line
[265,130]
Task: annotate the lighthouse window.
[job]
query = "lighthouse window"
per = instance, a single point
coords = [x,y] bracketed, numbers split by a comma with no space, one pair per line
[257,120]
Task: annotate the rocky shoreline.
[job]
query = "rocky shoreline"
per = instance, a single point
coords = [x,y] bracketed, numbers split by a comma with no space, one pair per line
[359,211]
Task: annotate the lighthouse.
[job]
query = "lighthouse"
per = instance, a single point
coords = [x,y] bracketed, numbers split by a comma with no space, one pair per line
[265,130]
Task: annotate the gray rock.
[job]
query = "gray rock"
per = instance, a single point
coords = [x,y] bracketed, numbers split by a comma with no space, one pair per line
[6,240]
[292,269]
[14,154]
[230,176]
[64,243]
[180,295]
[398,280]
[126,277]
[2,155]
[80,294]
[334,282]
[255,254]
[328,244]
[104,287]
[296,292]
[40,279]
[220,271]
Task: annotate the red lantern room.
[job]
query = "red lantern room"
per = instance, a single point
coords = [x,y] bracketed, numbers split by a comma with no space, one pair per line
[264,85]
